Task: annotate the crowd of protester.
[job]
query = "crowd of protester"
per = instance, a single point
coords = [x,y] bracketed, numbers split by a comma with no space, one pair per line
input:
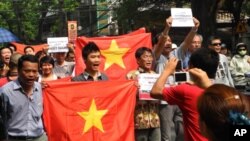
[184,111]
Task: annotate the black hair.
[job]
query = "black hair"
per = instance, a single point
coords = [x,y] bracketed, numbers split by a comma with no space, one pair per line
[30,58]
[89,48]
[141,50]
[47,59]
[206,59]
[11,45]
[211,38]
[5,48]
[27,48]
[39,54]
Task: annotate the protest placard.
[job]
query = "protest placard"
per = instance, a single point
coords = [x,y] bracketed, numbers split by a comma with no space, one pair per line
[72,31]
[182,17]
[58,44]
[146,82]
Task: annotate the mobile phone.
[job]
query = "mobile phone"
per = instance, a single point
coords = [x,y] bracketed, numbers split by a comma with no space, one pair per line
[178,66]
[181,76]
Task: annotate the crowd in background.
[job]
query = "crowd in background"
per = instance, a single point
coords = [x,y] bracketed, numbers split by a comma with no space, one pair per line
[175,117]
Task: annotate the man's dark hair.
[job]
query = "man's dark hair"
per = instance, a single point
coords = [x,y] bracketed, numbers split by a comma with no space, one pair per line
[89,48]
[141,50]
[47,59]
[211,38]
[27,48]
[39,54]
[30,58]
[11,45]
[206,59]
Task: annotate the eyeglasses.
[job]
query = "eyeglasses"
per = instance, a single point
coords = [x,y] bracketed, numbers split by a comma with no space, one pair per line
[216,44]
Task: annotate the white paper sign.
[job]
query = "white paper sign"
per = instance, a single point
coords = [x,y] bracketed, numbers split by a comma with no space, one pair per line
[182,17]
[146,82]
[58,44]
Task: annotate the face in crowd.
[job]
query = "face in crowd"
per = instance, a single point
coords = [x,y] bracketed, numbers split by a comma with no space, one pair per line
[242,51]
[93,61]
[5,55]
[196,43]
[167,47]
[29,51]
[47,65]
[216,45]
[60,57]
[144,57]
[27,70]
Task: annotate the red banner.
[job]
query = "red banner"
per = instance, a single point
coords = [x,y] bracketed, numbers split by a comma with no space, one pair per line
[118,53]
[20,47]
[91,111]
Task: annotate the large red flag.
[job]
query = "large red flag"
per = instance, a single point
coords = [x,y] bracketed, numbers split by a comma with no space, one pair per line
[118,53]
[90,111]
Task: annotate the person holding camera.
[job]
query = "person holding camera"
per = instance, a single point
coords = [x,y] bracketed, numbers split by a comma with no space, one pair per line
[170,115]
[186,95]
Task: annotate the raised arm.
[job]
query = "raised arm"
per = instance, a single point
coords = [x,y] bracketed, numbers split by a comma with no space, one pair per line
[189,38]
[162,38]
[156,91]
[200,78]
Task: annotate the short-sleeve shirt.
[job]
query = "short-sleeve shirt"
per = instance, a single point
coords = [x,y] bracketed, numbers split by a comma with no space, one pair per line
[186,96]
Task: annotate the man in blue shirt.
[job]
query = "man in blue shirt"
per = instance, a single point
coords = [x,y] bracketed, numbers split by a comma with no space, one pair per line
[21,104]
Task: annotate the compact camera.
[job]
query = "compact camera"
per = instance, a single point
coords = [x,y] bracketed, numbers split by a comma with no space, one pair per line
[181,77]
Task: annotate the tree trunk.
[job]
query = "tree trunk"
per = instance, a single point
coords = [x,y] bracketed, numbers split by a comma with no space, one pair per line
[205,11]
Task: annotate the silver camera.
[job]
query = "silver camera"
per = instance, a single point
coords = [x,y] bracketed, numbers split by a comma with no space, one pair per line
[181,76]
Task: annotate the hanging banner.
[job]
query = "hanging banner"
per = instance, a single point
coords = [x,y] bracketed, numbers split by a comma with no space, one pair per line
[72,31]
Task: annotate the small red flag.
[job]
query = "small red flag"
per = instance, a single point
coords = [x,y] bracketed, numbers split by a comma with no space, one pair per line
[91,111]
[118,53]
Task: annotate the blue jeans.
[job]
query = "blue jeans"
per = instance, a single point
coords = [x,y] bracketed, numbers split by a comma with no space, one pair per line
[171,123]
[151,134]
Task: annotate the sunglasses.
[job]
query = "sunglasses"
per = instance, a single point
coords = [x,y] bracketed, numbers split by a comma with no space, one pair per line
[243,49]
[216,44]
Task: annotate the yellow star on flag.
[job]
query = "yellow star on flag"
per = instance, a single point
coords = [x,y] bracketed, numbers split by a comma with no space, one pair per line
[114,55]
[93,117]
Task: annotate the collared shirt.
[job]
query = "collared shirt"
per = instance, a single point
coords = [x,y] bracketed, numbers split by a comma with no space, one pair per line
[87,77]
[64,70]
[22,114]
[181,54]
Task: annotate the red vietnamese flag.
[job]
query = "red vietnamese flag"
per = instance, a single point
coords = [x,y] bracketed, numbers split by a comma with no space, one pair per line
[118,53]
[91,111]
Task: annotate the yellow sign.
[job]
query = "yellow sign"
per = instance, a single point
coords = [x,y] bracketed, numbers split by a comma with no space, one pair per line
[72,31]
[241,27]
